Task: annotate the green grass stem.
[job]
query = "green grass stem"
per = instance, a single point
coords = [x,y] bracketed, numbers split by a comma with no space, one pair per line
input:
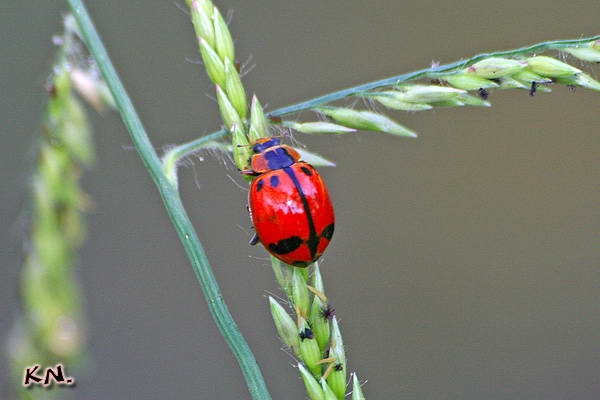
[173,205]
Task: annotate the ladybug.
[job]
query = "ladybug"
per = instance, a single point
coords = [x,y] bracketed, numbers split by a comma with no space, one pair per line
[289,204]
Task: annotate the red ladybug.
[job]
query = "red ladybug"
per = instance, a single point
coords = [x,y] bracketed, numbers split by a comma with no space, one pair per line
[289,204]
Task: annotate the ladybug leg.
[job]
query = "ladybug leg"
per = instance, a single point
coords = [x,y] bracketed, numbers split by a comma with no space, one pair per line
[249,172]
[254,239]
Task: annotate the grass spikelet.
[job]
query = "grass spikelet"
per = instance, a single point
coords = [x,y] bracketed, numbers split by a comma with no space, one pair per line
[51,327]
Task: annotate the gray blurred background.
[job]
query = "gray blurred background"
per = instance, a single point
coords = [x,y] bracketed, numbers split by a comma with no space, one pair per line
[465,263]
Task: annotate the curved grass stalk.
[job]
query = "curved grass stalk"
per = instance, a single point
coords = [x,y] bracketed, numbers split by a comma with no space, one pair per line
[431,72]
[172,156]
[177,214]
[188,148]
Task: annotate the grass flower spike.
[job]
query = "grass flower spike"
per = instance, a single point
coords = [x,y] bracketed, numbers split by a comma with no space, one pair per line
[218,55]
[319,321]
[426,93]
[286,328]
[318,127]
[51,327]
[242,153]
[468,81]
[309,348]
[259,127]
[357,393]
[320,344]
[587,53]
[496,67]
[215,68]
[300,293]
[328,393]
[235,90]
[551,67]
[337,378]
[313,387]
[365,120]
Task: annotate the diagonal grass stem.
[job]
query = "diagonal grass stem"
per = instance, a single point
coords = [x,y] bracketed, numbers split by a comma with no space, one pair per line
[174,207]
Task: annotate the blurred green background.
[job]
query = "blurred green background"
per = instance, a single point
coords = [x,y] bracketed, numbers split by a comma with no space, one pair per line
[465,263]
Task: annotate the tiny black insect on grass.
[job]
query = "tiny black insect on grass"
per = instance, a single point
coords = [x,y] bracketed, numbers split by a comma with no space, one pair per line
[307,333]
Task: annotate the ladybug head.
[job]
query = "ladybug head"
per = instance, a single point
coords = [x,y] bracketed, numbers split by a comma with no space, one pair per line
[263,144]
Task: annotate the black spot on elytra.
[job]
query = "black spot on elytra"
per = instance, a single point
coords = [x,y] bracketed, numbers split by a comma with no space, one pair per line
[259,185]
[274,181]
[300,264]
[285,246]
[306,170]
[338,367]
[328,232]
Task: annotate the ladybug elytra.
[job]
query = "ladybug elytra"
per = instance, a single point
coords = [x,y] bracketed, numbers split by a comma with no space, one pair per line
[289,204]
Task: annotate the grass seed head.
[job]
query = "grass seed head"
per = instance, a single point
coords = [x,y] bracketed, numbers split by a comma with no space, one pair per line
[319,324]
[337,344]
[528,76]
[365,120]
[309,350]
[235,89]
[337,380]
[585,53]
[320,127]
[241,148]
[392,101]
[313,388]
[229,114]
[223,41]
[212,63]
[427,93]
[300,296]
[469,81]
[328,393]
[259,127]
[581,79]
[286,328]
[357,393]
[495,67]
[508,82]
[202,22]
[551,67]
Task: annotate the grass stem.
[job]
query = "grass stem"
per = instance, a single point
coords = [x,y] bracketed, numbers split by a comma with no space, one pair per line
[174,207]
